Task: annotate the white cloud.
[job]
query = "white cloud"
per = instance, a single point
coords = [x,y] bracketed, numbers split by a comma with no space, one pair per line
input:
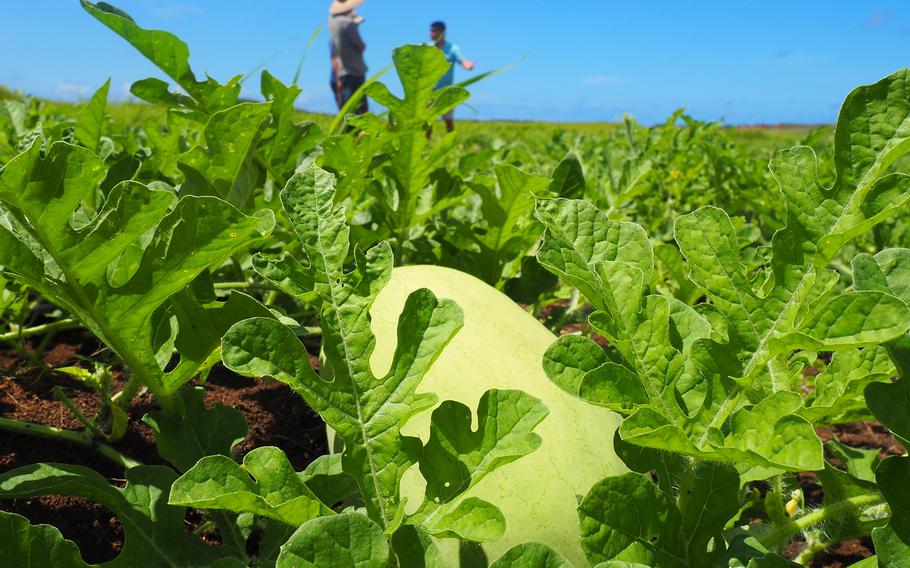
[70,90]
[603,80]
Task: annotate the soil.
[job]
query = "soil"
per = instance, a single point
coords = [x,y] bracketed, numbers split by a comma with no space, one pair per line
[276,416]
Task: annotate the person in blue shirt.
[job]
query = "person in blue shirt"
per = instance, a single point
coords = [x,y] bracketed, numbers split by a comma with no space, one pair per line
[453,56]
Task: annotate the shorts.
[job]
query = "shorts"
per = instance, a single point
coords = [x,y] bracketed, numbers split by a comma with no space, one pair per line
[449,115]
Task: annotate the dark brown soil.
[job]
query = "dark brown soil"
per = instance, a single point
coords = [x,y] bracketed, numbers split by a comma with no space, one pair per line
[276,416]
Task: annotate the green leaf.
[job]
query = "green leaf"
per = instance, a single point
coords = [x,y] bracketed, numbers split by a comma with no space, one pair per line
[568,179]
[700,373]
[510,230]
[83,269]
[198,431]
[456,458]
[531,555]
[153,531]
[859,463]
[889,271]
[608,529]
[469,519]
[169,54]
[328,482]
[290,140]
[413,546]
[35,546]
[366,410]
[579,236]
[892,475]
[768,328]
[342,541]
[711,502]
[276,491]
[91,119]
[892,551]
[531,284]
[839,388]
[570,358]
[419,68]
[224,168]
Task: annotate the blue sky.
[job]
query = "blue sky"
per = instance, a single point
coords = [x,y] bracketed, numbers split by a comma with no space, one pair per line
[588,60]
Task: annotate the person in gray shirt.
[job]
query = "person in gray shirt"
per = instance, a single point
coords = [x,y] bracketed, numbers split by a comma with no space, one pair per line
[350,69]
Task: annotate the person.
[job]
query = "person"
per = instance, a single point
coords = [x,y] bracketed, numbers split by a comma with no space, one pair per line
[334,82]
[347,51]
[453,55]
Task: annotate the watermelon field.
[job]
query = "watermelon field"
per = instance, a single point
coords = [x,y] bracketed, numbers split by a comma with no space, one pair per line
[235,334]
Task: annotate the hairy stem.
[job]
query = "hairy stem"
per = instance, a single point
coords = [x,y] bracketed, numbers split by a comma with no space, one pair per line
[781,534]
[685,483]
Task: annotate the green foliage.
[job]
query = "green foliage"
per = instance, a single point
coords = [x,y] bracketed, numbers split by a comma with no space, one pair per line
[35,546]
[714,305]
[196,432]
[170,55]
[338,541]
[124,269]
[716,382]
[419,68]
[91,120]
[365,410]
[153,530]
[889,270]
[217,482]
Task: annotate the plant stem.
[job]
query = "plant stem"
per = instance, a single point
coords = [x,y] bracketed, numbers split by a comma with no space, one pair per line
[685,484]
[813,547]
[68,323]
[780,535]
[204,527]
[80,438]
[58,392]
[126,394]
[242,286]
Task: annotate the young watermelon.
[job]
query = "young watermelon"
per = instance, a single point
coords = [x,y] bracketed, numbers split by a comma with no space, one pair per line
[502,346]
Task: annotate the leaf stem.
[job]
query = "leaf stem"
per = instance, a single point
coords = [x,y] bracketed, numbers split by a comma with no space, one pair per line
[243,286]
[22,333]
[79,438]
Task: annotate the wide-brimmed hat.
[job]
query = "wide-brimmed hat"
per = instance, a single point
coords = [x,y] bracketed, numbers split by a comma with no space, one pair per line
[342,6]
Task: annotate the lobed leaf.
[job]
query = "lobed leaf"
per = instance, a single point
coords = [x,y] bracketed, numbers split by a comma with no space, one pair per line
[276,491]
